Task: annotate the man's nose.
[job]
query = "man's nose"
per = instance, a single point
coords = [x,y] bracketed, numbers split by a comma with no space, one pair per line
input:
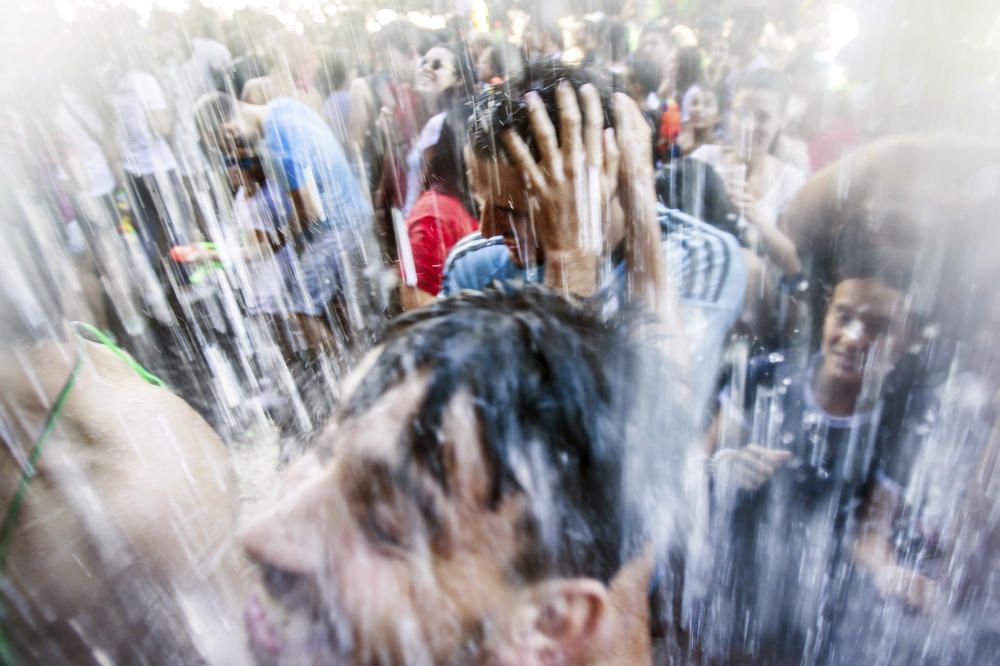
[854,334]
[293,535]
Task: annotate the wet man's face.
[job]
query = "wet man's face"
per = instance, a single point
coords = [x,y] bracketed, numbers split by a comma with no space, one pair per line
[505,206]
[861,321]
[754,121]
[704,110]
[367,559]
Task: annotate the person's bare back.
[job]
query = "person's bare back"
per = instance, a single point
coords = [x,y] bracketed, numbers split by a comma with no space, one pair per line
[122,544]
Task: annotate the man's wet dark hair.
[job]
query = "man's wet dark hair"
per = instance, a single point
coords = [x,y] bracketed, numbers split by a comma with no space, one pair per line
[211,111]
[333,70]
[551,384]
[398,35]
[769,80]
[644,73]
[859,258]
[503,107]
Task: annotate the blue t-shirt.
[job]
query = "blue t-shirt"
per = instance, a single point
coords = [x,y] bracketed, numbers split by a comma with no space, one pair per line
[299,147]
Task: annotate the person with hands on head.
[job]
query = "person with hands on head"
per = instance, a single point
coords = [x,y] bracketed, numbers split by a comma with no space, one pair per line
[573,188]
[565,199]
[556,183]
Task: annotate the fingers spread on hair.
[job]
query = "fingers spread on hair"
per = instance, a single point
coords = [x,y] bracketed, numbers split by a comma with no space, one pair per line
[569,126]
[545,135]
[521,157]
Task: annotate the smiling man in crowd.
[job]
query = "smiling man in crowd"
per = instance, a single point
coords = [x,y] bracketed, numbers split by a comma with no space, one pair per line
[800,458]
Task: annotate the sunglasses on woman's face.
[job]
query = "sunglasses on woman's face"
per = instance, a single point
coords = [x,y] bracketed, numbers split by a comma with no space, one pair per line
[242,162]
[435,64]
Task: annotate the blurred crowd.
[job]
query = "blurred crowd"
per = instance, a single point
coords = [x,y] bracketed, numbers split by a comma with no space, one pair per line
[731,264]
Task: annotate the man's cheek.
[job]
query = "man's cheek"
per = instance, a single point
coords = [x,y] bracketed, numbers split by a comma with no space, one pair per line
[395,601]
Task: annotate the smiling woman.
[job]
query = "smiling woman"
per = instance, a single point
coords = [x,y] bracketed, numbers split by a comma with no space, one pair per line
[446,81]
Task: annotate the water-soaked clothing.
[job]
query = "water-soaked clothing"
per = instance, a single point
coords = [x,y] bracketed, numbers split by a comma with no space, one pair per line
[707,266]
[301,152]
[783,551]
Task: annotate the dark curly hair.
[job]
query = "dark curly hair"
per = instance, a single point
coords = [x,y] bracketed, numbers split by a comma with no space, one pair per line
[503,107]
[552,386]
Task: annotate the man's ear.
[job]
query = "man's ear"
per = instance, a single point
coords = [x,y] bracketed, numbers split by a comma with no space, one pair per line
[558,622]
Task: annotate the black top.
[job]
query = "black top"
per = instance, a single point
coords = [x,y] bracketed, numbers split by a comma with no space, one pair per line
[784,548]
[694,187]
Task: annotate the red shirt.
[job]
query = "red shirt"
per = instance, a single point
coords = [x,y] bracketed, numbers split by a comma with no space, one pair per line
[670,127]
[436,222]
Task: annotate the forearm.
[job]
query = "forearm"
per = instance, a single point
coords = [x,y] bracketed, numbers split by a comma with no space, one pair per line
[648,278]
[873,552]
[780,249]
[307,208]
[414,297]
[650,282]
[296,215]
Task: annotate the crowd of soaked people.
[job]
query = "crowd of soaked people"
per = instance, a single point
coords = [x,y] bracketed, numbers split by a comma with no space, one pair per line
[642,355]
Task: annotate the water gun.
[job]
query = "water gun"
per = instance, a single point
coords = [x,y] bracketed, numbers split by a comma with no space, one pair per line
[191,253]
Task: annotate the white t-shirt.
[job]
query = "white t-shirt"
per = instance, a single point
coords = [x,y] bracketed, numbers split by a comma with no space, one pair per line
[143,151]
[184,89]
[185,83]
[207,57]
[270,274]
[80,129]
[429,136]
[774,202]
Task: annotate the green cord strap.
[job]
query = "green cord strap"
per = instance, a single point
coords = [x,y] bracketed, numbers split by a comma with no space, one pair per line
[15,506]
[29,473]
[10,520]
[6,654]
[101,337]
